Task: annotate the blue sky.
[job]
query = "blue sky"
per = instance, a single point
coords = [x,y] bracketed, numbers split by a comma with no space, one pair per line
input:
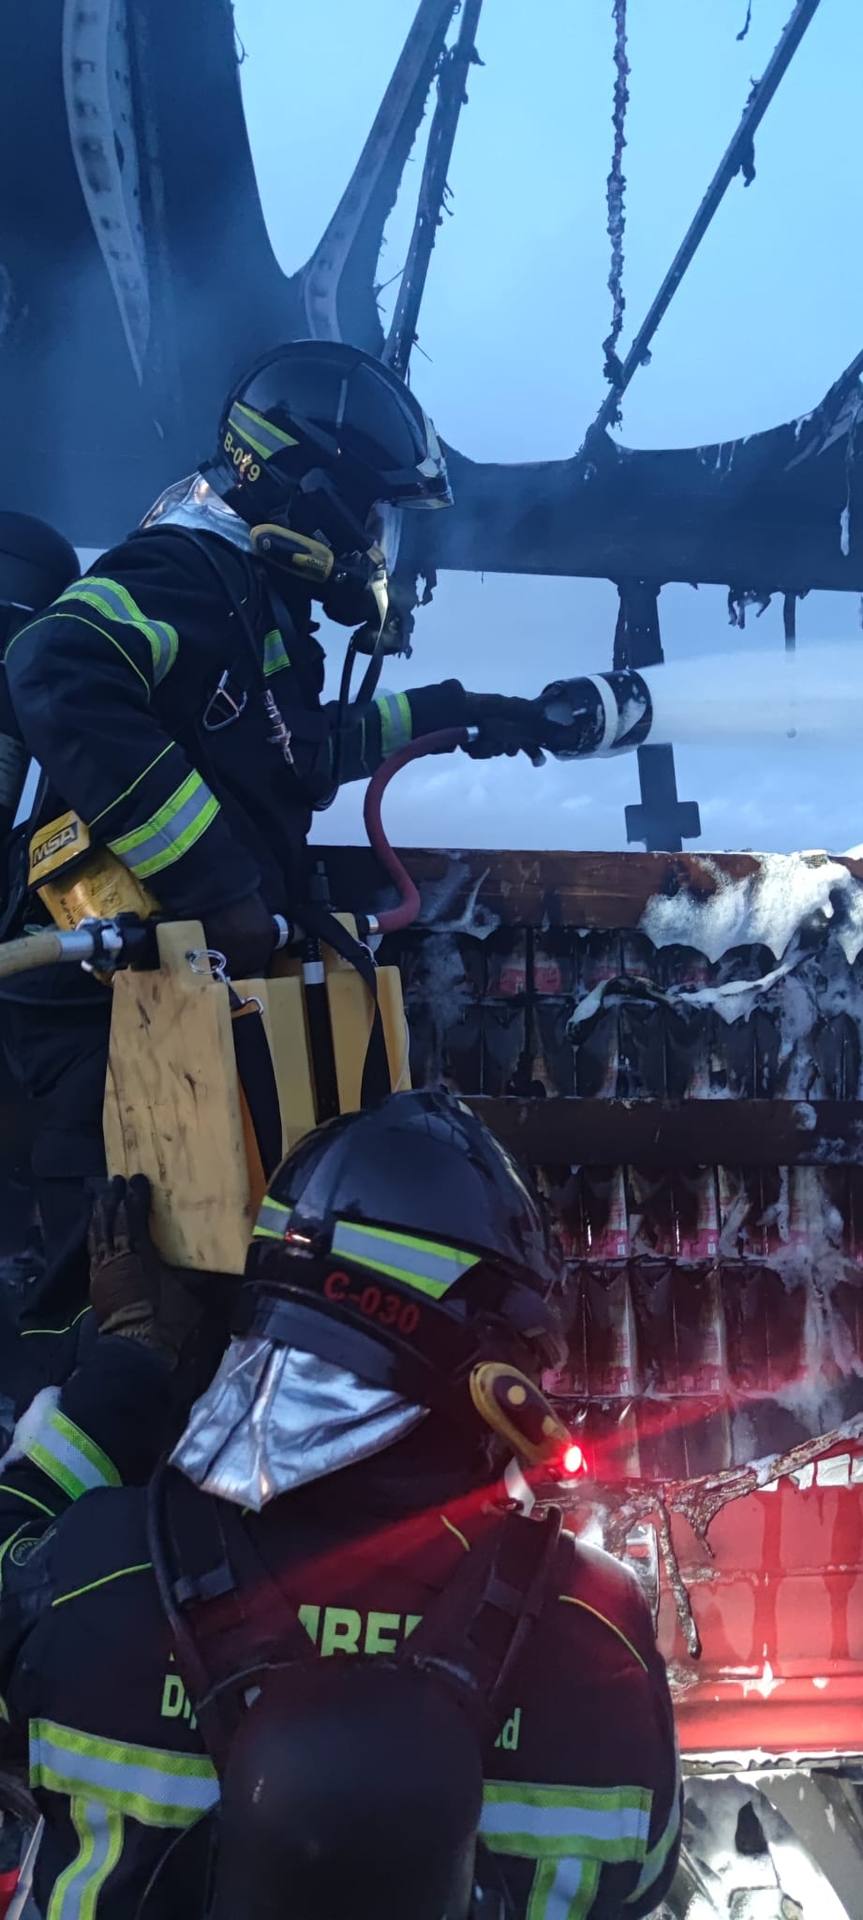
[515,313]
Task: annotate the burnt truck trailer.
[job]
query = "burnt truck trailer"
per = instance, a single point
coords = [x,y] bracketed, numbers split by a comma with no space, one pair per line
[674,1043]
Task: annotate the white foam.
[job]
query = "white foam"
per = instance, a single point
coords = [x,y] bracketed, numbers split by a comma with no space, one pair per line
[766,908]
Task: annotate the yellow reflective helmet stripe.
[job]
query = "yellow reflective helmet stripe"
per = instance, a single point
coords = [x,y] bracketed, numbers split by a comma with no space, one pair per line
[272,1222]
[258,432]
[426,1265]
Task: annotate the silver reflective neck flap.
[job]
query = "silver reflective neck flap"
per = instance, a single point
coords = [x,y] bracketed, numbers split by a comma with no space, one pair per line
[275,1418]
[192,503]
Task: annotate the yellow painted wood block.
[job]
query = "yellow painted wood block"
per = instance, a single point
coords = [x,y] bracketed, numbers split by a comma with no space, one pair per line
[172,1105]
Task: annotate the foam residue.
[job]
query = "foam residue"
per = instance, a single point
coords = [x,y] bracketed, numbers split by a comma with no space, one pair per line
[440,908]
[767,908]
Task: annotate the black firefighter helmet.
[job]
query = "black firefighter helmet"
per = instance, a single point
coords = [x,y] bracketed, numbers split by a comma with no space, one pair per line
[318,436]
[405,1244]
[36,564]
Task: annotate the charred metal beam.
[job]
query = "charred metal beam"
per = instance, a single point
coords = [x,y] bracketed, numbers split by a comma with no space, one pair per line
[338,283]
[112,369]
[452,83]
[136,272]
[662,821]
[777,510]
[738,157]
[685,1133]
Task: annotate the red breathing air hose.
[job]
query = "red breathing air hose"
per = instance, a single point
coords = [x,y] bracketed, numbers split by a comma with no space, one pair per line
[8,1889]
[394,918]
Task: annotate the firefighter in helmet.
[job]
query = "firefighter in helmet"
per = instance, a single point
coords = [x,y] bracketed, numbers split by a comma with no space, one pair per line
[173,696]
[320,1663]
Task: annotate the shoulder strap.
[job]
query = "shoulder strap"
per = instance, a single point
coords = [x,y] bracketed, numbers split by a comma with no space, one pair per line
[210,550]
[476,1630]
[322,924]
[259,1091]
[196,1545]
[305,653]
[468,1639]
[376,1083]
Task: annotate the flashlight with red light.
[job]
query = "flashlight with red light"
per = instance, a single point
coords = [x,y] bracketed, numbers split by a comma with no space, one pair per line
[516,1408]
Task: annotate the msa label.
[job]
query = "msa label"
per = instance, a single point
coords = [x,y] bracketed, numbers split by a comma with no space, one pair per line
[54,845]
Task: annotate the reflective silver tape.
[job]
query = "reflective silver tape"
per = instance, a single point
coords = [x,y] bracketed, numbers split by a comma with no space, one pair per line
[609,708]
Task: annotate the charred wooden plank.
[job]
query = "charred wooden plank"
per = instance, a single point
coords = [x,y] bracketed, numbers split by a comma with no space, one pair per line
[685,1133]
[526,889]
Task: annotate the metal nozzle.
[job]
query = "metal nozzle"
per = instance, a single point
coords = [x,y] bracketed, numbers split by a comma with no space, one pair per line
[596,714]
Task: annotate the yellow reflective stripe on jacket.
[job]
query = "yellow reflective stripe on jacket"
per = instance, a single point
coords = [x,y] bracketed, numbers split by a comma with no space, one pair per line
[563,1889]
[170,832]
[276,657]
[75,1894]
[655,1860]
[114,602]
[396,721]
[66,613]
[571,1833]
[555,1823]
[69,1457]
[427,1265]
[154,1785]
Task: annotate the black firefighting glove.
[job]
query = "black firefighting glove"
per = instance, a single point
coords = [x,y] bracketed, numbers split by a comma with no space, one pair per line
[504,725]
[133,1292]
[244,933]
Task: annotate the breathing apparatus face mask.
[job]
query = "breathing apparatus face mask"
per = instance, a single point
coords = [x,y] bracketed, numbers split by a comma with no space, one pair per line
[343,561]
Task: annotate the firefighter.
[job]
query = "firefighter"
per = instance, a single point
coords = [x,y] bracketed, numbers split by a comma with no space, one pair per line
[173,695]
[335,1489]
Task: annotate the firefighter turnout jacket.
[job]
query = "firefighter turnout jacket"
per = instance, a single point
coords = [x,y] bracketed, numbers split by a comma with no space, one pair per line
[582,1794]
[176,706]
